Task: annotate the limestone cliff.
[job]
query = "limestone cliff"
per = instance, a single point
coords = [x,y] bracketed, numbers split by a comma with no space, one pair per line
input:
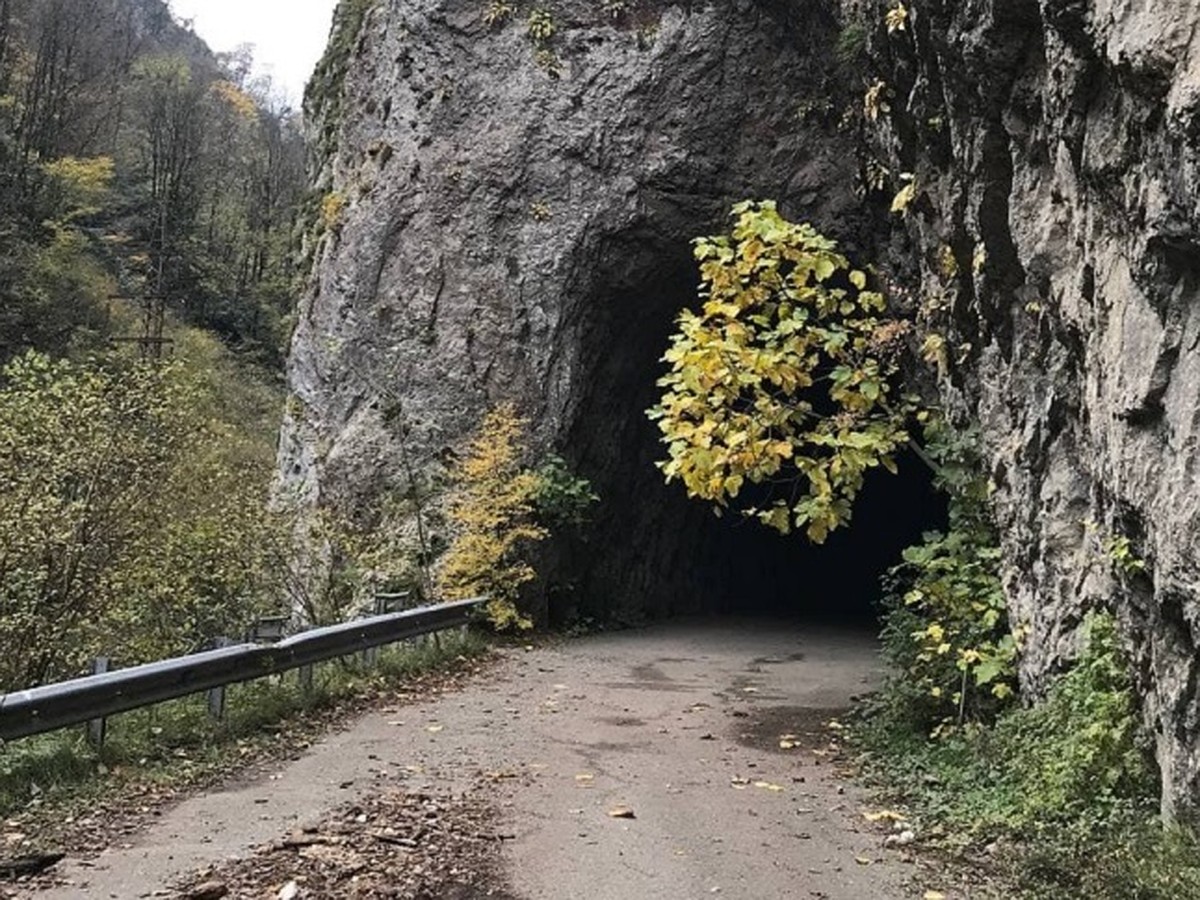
[511,220]
[1056,149]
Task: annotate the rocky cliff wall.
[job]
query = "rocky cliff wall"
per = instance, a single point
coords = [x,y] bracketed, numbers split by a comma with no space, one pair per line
[1056,149]
[512,220]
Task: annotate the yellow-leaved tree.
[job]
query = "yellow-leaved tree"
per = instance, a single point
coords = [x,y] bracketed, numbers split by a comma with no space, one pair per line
[492,508]
[783,379]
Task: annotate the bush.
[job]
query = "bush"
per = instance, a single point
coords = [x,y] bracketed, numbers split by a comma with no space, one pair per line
[498,509]
[1069,782]
[131,514]
[492,507]
[946,632]
[561,497]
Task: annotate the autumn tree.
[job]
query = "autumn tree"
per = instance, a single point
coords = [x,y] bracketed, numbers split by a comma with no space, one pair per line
[132,508]
[781,391]
[492,509]
[207,177]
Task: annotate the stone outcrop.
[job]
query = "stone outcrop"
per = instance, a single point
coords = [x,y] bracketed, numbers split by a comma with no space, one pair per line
[513,222]
[1056,147]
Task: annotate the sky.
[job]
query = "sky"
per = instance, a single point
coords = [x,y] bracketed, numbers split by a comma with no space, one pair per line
[288,35]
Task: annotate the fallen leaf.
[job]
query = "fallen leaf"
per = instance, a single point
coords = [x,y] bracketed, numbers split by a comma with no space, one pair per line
[585,779]
[888,814]
[621,812]
[434,729]
[933,895]
[766,785]
[862,860]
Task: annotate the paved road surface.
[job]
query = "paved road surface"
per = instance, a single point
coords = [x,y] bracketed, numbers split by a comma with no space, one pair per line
[681,723]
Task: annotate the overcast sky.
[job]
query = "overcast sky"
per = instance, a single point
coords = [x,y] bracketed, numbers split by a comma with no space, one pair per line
[288,35]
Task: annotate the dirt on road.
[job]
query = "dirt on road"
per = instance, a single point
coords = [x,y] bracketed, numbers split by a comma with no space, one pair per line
[682,761]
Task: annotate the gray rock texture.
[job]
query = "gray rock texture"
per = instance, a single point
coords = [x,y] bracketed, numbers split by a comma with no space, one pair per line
[516,226]
[511,232]
[1056,146]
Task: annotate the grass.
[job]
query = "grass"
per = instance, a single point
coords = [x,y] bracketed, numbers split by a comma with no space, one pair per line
[1060,799]
[177,743]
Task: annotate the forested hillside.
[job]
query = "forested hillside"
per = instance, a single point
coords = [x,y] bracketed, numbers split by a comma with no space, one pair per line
[148,200]
[134,162]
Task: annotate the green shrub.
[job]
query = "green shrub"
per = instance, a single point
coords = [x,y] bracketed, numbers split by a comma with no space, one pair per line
[1069,783]
[561,497]
[946,632]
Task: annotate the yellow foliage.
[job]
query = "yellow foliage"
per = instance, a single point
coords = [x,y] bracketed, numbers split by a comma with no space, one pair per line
[333,207]
[933,351]
[874,101]
[541,27]
[492,508]
[978,259]
[498,11]
[787,328]
[905,196]
[82,184]
[236,99]
[947,265]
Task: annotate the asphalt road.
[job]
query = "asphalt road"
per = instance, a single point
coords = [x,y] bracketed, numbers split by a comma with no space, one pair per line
[711,735]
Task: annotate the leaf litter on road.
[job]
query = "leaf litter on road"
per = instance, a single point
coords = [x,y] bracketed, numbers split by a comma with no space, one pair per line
[397,844]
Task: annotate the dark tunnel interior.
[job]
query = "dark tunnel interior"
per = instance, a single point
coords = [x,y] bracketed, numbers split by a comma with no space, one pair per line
[650,552]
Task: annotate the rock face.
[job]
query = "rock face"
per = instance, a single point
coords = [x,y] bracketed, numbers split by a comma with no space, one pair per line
[513,222]
[1056,146]
[516,223]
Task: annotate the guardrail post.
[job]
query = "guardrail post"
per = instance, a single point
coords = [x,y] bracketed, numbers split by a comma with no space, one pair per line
[305,676]
[216,696]
[269,629]
[395,602]
[370,656]
[98,728]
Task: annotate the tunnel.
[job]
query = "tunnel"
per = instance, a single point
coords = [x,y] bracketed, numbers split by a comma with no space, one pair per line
[650,552]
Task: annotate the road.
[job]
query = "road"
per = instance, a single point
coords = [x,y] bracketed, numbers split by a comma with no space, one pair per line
[712,735]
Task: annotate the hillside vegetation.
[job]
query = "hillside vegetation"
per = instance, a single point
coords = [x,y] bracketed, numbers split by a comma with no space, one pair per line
[148,197]
[135,162]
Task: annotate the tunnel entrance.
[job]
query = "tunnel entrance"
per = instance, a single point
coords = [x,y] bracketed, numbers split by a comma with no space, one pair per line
[650,552]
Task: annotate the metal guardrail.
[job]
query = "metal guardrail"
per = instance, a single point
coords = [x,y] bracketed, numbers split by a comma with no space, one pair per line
[55,706]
